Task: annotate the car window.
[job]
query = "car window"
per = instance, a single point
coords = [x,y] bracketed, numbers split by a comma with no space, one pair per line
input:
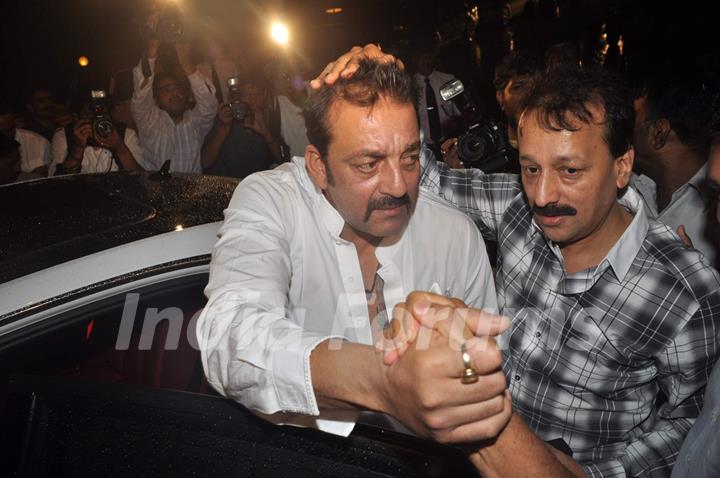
[144,337]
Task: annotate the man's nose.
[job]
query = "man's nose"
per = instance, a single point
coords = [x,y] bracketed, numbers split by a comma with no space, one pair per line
[393,180]
[547,190]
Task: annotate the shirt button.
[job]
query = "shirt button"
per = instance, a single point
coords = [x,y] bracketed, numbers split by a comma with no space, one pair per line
[538,334]
[351,280]
[517,377]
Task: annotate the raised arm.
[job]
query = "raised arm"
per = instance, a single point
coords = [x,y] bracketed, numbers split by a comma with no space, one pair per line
[207,104]
[144,111]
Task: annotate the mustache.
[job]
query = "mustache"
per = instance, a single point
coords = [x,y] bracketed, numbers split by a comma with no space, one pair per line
[387,202]
[555,210]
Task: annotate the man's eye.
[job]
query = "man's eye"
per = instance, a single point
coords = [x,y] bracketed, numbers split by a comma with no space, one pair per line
[366,167]
[531,169]
[572,171]
[413,158]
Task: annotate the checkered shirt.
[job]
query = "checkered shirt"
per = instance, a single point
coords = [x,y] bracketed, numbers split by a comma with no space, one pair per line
[614,359]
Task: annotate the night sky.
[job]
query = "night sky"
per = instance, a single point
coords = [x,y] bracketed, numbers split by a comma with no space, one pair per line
[42,39]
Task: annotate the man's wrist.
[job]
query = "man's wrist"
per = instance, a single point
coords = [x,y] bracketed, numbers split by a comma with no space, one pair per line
[76,153]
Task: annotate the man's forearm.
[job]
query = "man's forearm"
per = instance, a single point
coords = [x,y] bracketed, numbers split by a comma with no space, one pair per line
[211,150]
[517,452]
[347,377]
[127,160]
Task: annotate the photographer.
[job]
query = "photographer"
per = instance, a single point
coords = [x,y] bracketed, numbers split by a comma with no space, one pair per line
[240,143]
[84,148]
[168,129]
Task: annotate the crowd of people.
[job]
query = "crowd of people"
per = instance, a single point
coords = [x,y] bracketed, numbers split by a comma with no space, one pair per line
[604,212]
[167,108]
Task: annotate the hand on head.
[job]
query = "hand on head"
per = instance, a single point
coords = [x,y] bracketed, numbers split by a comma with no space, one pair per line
[347,64]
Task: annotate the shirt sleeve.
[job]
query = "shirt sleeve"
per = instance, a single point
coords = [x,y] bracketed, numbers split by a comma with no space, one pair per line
[59,150]
[206,109]
[683,369]
[145,113]
[483,197]
[254,350]
[38,153]
[133,144]
[480,290]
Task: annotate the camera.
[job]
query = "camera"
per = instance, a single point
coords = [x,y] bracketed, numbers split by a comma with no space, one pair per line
[172,28]
[239,108]
[102,125]
[484,144]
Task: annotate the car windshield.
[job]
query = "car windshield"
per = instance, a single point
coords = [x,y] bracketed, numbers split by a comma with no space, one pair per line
[83,214]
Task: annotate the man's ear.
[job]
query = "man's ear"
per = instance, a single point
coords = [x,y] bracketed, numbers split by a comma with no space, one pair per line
[623,168]
[499,98]
[316,167]
[659,132]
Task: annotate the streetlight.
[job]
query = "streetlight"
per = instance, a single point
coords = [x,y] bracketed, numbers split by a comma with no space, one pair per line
[280,33]
[83,61]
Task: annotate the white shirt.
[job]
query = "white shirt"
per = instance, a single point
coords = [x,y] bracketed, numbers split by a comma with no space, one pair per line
[95,159]
[292,126]
[692,205]
[282,281]
[160,137]
[446,109]
[34,150]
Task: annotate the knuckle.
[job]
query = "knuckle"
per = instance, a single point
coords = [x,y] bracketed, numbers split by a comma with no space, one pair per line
[434,421]
[429,401]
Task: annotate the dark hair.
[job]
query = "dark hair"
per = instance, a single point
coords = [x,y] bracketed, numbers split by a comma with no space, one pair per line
[5,107]
[365,87]
[164,75]
[7,145]
[517,63]
[563,96]
[686,106]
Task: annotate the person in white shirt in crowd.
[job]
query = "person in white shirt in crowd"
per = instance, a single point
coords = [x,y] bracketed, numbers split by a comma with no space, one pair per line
[671,142]
[77,149]
[292,93]
[315,255]
[436,115]
[168,129]
[34,149]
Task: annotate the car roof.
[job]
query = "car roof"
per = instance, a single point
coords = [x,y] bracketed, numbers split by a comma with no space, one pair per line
[57,220]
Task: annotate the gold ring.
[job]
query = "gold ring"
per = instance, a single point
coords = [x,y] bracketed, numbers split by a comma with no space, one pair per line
[468,374]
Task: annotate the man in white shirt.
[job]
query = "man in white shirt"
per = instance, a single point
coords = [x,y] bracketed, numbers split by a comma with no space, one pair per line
[119,151]
[168,129]
[671,149]
[313,259]
[34,149]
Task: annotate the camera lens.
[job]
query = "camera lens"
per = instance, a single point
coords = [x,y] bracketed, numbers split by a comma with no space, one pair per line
[103,128]
[471,147]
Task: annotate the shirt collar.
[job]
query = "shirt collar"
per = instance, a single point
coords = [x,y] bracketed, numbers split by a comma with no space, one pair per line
[330,217]
[698,180]
[622,254]
[620,257]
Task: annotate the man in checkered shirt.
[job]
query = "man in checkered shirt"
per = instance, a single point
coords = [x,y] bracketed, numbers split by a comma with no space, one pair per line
[615,321]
